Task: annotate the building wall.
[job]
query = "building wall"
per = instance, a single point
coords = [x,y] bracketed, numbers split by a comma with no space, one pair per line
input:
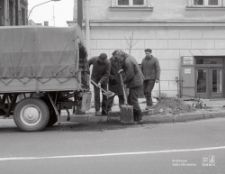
[156,10]
[172,29]
[168,45]
[13,12]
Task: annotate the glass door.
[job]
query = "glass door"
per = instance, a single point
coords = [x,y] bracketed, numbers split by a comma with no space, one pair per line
[202,87]
[216,83]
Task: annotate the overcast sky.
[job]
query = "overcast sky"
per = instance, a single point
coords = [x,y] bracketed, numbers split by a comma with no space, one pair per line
[62,10]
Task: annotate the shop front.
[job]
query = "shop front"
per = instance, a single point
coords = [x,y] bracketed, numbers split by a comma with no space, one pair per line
[202,77]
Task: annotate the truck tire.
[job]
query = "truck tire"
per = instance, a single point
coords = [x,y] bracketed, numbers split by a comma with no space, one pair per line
[31,114]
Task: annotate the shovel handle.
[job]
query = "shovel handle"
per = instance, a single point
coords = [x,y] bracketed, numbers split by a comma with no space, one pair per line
[123,87]
[97,85]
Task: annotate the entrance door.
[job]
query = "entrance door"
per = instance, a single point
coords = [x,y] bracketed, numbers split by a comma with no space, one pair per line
[202,89]
[209,83]
[216,83]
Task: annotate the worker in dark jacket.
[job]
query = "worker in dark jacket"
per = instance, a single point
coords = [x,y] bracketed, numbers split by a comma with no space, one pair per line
[133,80]
[151,71]
[114,81]
[100,75]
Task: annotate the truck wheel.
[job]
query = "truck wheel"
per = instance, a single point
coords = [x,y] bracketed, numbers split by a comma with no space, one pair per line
[31,114]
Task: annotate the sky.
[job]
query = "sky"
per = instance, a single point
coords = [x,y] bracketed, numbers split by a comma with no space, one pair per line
[62,10]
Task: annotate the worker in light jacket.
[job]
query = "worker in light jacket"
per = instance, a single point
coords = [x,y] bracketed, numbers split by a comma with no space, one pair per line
[151,71]
[133,80]
[100,75]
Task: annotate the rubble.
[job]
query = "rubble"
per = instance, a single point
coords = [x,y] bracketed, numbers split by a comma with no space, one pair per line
[172,106]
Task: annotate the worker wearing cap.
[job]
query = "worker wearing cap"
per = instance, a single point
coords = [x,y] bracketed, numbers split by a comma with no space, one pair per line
[100,75]
[133,80]
[151,70]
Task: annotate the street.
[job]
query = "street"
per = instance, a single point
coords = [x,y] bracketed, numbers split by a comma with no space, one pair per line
[180,148]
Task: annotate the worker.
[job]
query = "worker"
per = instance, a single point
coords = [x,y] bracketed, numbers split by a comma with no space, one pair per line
[133,80]
[151,71]
[100,75]
[114,82]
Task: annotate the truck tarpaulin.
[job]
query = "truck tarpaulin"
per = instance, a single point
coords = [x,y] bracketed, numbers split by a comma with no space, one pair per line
[39,53]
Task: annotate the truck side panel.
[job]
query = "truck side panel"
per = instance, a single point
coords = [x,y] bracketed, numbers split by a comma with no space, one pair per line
[38,59]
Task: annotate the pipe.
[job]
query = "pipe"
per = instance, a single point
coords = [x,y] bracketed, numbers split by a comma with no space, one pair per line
[80,13]
[87,26]
[6,12]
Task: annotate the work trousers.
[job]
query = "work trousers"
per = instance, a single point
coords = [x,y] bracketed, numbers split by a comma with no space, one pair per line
[147,88]
[133,100]
[110,101]
[97,98]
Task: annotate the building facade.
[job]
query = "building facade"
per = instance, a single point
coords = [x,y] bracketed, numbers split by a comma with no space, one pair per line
[187,36]
[13,12]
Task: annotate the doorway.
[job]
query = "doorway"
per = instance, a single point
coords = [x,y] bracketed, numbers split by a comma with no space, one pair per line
[209,82]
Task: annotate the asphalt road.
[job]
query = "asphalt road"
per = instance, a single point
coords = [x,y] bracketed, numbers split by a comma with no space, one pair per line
[180,148]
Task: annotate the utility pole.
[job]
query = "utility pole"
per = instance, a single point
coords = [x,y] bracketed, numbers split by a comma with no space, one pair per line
[80,13]
[87,26]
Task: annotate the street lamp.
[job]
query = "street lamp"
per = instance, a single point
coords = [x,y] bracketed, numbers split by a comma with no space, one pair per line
[39,5]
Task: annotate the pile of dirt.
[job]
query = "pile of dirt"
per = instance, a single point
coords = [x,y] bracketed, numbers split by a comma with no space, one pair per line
[172,106]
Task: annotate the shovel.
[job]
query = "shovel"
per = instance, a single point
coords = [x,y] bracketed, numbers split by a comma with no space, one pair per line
[126,115]
[106,93]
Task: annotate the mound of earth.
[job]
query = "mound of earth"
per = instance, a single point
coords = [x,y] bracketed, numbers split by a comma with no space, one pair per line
[172,106]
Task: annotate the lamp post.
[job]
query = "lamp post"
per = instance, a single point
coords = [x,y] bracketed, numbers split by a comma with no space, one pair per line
[39,5]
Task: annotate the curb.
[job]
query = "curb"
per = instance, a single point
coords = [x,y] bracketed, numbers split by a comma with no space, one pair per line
[213,114]
[188,117]
[148,116]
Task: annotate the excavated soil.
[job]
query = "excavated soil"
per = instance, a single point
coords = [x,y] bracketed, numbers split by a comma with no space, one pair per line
[172,106]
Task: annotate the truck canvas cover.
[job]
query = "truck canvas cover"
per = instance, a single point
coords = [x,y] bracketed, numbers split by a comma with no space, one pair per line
[39,58]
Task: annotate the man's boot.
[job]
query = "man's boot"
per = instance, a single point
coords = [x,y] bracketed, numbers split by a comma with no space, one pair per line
[135,114]
[139,117]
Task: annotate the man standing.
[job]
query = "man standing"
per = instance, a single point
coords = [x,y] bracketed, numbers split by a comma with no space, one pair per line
[151,71]
[134,81]
[100,75]
[114,81]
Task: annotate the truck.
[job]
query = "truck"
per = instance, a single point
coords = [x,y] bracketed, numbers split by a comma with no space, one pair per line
[43,70]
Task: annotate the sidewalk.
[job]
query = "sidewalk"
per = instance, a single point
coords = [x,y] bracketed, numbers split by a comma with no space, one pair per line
[214,108]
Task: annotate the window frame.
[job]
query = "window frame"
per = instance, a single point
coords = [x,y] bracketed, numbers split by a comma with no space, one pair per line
[131,4]
[206,4]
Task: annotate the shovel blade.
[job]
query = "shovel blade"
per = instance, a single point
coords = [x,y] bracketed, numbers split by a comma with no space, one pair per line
[126,114]
[109,94]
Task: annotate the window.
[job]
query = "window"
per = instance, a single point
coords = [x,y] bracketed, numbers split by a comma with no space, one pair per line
[130,5]
[207,2]
[205,5]
[213,60]
[131,2]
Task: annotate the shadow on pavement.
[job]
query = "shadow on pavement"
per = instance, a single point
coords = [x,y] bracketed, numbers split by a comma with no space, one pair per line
[100,126]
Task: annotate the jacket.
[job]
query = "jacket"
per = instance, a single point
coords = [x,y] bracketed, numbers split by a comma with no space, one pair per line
[133,74]
[101,71]
[114,78]
[150,68]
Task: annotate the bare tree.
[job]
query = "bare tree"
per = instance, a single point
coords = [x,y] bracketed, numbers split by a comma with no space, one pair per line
[130,42]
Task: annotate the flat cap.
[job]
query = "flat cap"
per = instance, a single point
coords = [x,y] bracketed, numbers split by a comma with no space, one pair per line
[102,56]
[148,50]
